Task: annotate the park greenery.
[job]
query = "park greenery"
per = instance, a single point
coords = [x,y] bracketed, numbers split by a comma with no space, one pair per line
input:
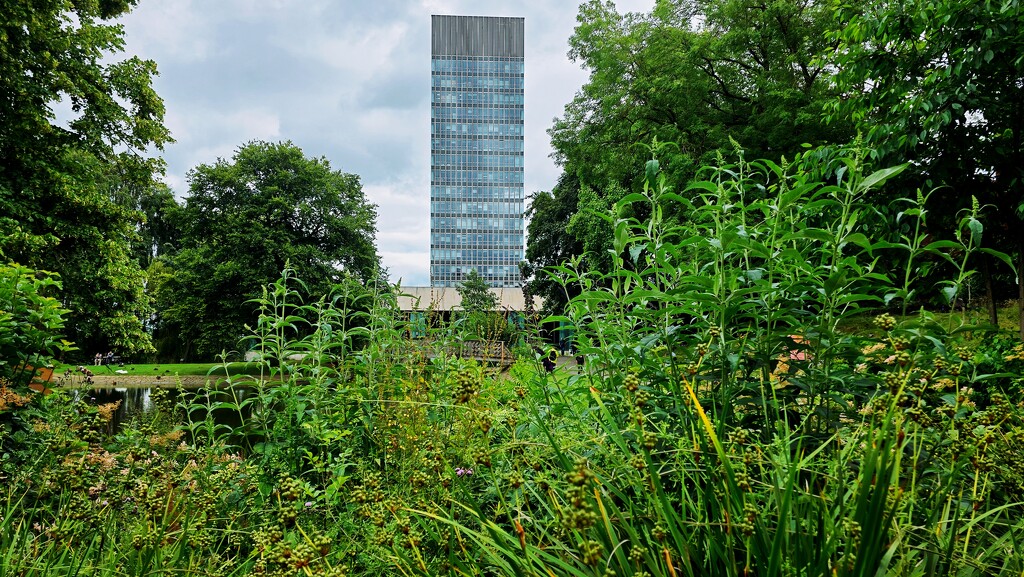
[63,183]
[722,423]
[936,84]
[475,294]
[80,197]
[480,316]
[241,224]
[761,210]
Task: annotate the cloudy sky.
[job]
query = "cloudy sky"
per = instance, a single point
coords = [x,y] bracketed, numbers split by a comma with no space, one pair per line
[344,79]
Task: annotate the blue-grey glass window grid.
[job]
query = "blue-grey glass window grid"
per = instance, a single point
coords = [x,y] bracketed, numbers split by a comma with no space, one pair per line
[477,197]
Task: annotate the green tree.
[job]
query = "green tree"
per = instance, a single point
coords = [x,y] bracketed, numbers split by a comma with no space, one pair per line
[476,294]
[549,246]
[165,339]
[941,84]
[157,233]
[243,221]
[695,75]
[480,316]
[60,176]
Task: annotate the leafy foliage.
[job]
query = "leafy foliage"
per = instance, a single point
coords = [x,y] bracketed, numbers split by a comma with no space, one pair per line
[696,75]
[158,235]
[950,91]
[940,84]
[549,215]
[31,323]
[58,186]
[725,425]
[244,221]
[723,421]
[476,294]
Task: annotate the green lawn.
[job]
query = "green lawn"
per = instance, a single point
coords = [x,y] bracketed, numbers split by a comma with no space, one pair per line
[1009,320]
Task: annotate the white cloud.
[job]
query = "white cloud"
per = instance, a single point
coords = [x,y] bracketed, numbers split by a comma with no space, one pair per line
[403,222]
[411,268]
[257,123]
[367,53]
[171,30]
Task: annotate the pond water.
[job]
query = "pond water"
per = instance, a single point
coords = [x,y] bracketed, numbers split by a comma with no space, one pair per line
[137,401]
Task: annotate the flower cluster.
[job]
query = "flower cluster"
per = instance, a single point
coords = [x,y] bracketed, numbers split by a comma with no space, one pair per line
[11,400]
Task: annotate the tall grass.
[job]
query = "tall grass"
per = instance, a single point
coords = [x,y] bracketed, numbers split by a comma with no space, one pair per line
[726,425]
[724,422]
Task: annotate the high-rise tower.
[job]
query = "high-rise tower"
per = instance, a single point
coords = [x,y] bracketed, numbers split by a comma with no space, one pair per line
[476,149]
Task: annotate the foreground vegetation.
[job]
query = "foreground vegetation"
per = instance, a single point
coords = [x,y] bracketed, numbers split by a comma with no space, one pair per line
[723,423]
[732,416]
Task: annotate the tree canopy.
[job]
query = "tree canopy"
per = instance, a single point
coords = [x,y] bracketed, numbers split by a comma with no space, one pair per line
[476,293]
[941,84]
[697,75]
[243,221]
[549,243]
[60,174]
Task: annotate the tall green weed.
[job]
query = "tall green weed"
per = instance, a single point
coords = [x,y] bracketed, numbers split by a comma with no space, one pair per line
[725,424]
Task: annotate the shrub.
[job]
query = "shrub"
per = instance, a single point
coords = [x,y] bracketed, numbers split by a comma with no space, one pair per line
[30,323]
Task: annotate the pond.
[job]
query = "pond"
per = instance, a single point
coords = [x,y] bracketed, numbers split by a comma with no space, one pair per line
[137,401]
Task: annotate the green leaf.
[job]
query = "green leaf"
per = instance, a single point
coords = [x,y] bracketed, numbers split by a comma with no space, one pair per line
[949,293]
[935,246]
[630,199]
[817,234]
[634,252]
[976,229]
[859,239]
[879,177]
[1001,256]
[651,170]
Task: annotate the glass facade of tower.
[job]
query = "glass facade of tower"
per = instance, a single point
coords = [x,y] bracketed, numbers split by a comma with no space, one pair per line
[476,148]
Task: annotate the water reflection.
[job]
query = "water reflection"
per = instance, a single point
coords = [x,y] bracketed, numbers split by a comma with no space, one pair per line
[134,401]
[138,401]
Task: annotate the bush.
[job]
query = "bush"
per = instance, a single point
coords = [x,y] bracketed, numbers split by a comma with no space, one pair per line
[30,323]
[30,326]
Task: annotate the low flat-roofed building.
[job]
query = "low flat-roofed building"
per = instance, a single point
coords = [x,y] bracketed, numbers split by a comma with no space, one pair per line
[422,298]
